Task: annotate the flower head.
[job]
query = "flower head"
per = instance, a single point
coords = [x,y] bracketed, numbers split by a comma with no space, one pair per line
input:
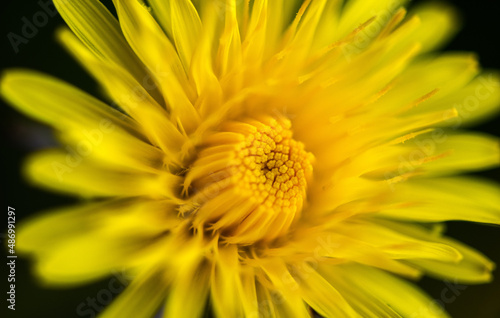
[269,158]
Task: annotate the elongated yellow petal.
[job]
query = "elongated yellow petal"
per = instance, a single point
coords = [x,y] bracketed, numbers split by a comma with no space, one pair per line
[397,244]
[328,22]
[468,152]
[120,85]
[477,101]
[313,288]
[274,303]
[224,283]
[156,51]
[255,38]
[322,296]
[142,298]
[229,54]
[57,103]
[391,290]
[443,199]
[473,268]
[439,23]
[306,31]
[292,304]
[139,216]
[437,153]
[189,289]
[100,31]
[73,174]
[357,12]
[93,129]
[162,12]
[148,41]
[135,100]
[279,14]
[248,293]
[446,74]
[364,302]
[204,69]
[186,29]
[72,260]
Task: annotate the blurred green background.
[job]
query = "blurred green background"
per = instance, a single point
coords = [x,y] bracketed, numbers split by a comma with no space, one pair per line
[21,136]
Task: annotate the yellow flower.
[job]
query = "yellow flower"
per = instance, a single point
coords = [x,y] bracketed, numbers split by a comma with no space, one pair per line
[268,158]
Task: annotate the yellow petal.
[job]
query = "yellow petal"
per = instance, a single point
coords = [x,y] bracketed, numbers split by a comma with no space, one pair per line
[141,298]
[189,289]
[148,41]
[306,31]
[279,15]
[443,199]
[436,152]
[473,268]
[89,241]
[56,103]
[100,31]
[365,303]
[313,288]
[477,101]
[467,152]
[320,295]
[403,297]
[229,56]
[328,22]
[447,74]
[257,300]
[132,98]
[255,38]
[204,69]
[113,217]
[93,129]
[274,303]
[158,54]
[248,293]
[161,10]
[397,244]
[440,22]
[186,29]
[224,283]
[357,12]
[73,174]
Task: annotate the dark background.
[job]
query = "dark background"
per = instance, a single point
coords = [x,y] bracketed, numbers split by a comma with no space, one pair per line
[21,136]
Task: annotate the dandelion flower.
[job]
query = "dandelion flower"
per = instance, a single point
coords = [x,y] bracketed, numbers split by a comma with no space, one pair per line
[262,158]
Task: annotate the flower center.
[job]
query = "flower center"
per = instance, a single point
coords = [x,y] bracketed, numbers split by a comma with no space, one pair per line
[250,180]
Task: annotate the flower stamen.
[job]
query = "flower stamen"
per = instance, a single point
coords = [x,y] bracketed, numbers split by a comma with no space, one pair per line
[250,180]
